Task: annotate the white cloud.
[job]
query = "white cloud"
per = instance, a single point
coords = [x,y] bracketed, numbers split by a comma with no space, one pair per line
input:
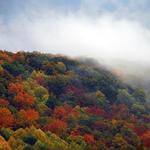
[78,35]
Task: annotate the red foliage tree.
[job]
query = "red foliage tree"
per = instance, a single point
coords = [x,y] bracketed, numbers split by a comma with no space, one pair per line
[60,112]
[65,111]
[15,88]
[4,103]
[95,111]
[146,139]
[6,118]
[140,130]
[74,133]
[1,62]
[23,99]
[56,126]
[31,115]
[88,138]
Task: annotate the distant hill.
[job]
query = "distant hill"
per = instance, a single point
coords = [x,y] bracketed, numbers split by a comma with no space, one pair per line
[52,102]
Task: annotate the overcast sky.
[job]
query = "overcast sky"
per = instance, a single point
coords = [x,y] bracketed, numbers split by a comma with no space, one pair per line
[102,29]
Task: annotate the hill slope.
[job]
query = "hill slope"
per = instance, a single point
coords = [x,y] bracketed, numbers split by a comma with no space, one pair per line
[52,102]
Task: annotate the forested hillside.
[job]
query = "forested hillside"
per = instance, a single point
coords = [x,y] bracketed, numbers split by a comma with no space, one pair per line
[51,102]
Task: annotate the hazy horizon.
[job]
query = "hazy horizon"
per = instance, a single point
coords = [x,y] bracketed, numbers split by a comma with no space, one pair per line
[108,30]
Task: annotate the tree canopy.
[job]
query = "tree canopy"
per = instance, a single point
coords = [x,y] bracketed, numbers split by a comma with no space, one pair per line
[51,102]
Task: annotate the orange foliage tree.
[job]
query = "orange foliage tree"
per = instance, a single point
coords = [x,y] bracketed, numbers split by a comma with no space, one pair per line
[27,117]
[4,144]
[5,57]
[18,56]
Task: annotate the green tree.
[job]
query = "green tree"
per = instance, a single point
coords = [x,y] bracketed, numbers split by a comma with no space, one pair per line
[125,97]
[140,95]
[60,67]
[138,109]
[101,98]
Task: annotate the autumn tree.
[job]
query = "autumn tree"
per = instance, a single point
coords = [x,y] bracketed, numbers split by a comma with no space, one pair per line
[18,57]
[23,100]
[6,118]
[15,88]
[4,144]
[60,112]
[88,138]
[146,139]
[49,67]
[27,117]
[4,103]
[56,126]
[101,98]
[95,111]
[5,57]
[1,68]
[41,93]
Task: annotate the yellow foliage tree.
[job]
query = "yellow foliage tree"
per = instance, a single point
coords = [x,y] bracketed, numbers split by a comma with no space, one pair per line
[4,145]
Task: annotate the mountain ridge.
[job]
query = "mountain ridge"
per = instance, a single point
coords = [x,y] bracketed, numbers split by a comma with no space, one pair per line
[56,102]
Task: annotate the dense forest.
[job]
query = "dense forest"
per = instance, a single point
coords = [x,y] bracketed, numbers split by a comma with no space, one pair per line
[52,102]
